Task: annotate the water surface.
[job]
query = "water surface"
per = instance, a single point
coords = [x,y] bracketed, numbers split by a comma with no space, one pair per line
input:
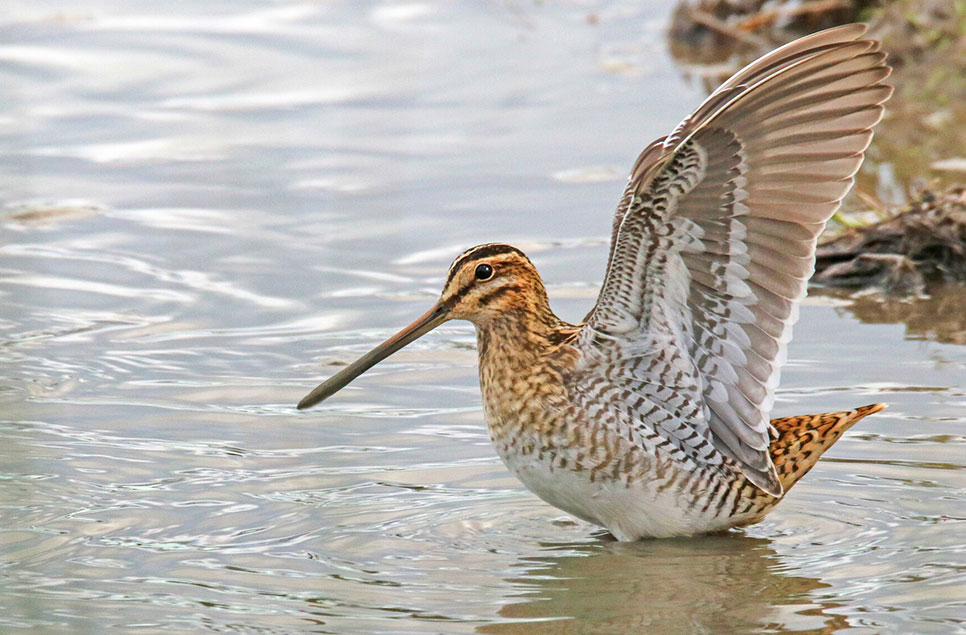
[208,207]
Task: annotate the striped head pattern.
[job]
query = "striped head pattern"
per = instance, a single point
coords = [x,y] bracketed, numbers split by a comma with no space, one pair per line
[491,281]
[489,285]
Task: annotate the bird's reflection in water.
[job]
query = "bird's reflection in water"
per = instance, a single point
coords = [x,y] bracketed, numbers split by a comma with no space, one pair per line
[713,584]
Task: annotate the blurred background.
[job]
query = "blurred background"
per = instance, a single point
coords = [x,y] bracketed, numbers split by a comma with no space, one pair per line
[208,207]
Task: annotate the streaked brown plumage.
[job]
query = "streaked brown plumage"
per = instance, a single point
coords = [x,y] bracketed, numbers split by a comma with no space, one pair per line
[651,417]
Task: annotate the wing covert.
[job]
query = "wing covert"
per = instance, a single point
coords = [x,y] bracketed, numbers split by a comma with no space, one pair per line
[714,238]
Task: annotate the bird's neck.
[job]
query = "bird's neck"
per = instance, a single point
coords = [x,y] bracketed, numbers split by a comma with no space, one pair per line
[519,344]
[520,334]
[523,358]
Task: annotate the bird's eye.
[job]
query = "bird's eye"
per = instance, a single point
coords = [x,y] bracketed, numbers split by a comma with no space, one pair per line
[484,272]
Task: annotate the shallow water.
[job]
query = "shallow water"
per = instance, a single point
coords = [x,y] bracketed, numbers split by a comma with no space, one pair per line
[209,208]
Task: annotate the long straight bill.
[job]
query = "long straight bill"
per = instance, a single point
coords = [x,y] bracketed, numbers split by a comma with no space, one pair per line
[424,324]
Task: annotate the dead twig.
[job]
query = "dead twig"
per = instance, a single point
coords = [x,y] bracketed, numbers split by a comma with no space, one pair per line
[770,16]
[705,19]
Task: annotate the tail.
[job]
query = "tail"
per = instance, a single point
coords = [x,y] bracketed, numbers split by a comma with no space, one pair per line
[802,439]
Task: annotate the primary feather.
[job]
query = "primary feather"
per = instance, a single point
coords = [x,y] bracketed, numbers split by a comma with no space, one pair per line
[714,241]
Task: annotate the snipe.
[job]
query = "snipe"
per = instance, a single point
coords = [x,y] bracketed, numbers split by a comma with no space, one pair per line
[651,417]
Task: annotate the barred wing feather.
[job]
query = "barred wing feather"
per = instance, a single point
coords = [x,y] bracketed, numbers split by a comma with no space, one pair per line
[714,241]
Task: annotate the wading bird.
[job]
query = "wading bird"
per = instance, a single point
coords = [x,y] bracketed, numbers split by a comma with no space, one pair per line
[651,417]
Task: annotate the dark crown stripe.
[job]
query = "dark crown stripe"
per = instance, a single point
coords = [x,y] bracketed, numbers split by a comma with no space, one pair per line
[479,252]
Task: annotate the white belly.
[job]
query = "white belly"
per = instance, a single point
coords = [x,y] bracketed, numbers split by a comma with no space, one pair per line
[629,512]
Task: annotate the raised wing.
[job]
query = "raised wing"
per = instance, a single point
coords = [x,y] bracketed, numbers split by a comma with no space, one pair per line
[714,242]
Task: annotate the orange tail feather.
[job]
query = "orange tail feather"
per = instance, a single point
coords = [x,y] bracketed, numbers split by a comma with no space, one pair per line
[802,439]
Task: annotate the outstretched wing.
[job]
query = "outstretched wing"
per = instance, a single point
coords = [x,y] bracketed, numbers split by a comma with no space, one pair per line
[714,242]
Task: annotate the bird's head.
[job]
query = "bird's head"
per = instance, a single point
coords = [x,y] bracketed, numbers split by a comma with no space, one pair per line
[485,284]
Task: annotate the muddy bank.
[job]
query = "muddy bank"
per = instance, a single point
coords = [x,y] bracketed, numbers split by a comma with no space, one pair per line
[919,248]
